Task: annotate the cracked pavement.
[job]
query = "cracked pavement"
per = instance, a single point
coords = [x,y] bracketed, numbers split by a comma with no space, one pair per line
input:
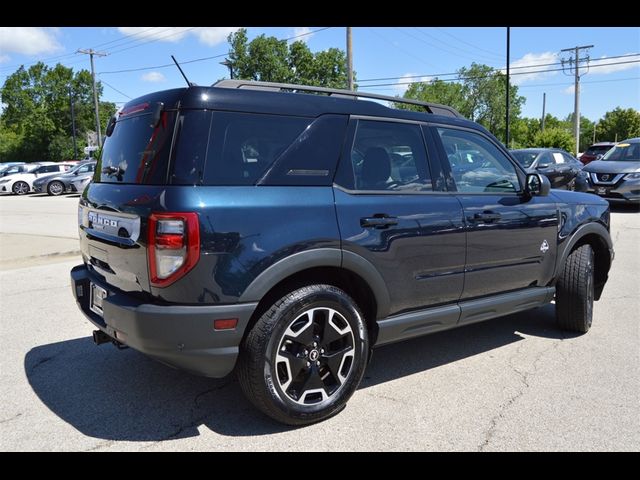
[515,383]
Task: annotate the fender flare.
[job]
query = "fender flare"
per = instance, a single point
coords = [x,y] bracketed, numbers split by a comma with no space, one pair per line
[320,257]
[574,238]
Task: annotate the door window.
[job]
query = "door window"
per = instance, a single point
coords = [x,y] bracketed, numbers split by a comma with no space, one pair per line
[390,156]
[477,165]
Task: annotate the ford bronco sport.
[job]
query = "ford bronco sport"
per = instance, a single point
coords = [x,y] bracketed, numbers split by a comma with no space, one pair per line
[285,230]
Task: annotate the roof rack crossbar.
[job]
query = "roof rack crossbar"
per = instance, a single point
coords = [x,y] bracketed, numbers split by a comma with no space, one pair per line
[434,108]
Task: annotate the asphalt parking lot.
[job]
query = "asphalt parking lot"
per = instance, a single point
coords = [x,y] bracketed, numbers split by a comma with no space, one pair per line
[515,383]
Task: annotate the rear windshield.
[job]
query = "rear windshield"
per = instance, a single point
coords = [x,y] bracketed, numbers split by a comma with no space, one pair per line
[525,158]
[136,152]
[624,152]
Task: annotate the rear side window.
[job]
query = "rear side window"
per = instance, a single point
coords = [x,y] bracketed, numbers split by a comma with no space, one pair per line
[136,152]
[243,146]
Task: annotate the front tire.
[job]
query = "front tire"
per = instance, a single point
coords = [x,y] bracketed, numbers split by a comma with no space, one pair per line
[305,356]
[55,188]
[575,291]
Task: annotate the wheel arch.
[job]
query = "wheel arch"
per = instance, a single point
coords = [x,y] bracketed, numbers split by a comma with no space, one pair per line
[597,236]
[351,273]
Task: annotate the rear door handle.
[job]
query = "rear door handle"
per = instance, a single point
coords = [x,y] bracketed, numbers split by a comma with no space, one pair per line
[486,217]
[379,220]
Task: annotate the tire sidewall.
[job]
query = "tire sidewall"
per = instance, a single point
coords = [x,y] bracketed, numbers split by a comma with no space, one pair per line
[339,301]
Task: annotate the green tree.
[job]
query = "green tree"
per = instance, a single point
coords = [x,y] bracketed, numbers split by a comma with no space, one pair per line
[554,137]
[623,123]
[271,60]
[479,95]
[37,113]
[435,91]
[586,130]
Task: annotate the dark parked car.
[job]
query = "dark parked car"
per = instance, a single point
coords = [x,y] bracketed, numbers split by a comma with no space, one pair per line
[594,151]
[283,234]
[616,176]
[59,184]
[560,167]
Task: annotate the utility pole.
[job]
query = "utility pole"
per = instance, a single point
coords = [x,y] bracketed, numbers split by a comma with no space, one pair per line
[73,125]
[349,60]
[91,52]
[544,105]
[227,63]
[594,132]
[574,69]
[507,116]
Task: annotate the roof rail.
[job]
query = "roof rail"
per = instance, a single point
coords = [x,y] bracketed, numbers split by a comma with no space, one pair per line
[434,108]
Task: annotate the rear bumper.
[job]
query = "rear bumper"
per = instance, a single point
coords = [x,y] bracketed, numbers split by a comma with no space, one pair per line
[181,336]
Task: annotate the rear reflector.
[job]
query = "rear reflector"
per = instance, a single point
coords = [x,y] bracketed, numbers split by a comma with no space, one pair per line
[225,323]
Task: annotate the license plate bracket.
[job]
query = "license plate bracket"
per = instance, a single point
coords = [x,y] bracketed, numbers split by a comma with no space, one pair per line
[98,294]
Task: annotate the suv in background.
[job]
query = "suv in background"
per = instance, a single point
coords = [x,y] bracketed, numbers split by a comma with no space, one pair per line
[616,176]
[285,230]
[595,152]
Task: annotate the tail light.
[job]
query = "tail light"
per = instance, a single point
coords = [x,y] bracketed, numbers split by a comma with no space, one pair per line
[174,246]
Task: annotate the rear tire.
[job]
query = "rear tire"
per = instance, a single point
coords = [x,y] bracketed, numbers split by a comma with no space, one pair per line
[55,188]
[575,291]
[305,356]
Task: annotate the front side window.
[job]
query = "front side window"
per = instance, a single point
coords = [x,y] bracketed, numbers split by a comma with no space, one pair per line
[390,156]
[490,172]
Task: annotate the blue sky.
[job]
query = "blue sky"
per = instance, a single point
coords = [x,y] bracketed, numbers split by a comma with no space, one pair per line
[379,52]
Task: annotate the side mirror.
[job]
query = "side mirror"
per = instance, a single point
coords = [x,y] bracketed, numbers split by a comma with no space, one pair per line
[537,185]
[542,166]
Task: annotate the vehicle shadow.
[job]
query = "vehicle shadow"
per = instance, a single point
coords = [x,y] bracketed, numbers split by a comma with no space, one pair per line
[123,395]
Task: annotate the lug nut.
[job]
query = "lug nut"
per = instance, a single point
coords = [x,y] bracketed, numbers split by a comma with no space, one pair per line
[315,344]
[322,350]
[318,363]
[308,364]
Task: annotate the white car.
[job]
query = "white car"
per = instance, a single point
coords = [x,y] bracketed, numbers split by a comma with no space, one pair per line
[22,182]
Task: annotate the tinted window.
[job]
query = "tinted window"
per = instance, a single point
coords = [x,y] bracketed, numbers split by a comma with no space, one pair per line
[190,151]
[243,146]
[48,169]
[86,168]
[597,149]
[491,172]
[389,156]
[547,158]
[136,152]
[312,157]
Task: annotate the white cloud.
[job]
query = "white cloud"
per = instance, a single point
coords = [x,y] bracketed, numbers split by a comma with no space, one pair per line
[4,58]
[569,90]
[28,40]
[154,77]
[534,62]
[210,36]
[306,31]
[403,82]
[606,69]
[213,36]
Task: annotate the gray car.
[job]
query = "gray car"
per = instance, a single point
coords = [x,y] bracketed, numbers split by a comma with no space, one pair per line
[616,176]
[59,184]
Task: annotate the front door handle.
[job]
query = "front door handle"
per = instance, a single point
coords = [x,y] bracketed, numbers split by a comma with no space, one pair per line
[486,217]
[379,220]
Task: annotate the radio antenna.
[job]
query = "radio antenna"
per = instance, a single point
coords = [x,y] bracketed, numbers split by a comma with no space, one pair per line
[190,84]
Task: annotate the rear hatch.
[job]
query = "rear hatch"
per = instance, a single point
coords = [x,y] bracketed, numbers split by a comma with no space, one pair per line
[129,184]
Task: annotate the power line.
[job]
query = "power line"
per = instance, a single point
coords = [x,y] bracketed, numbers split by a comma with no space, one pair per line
[446,49]
[488,76]
[202,59]
[406,52]
[512,68]
[494,54]
[114,88]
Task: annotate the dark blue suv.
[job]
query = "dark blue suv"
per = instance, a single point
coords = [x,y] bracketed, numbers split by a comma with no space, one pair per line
[285,230]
